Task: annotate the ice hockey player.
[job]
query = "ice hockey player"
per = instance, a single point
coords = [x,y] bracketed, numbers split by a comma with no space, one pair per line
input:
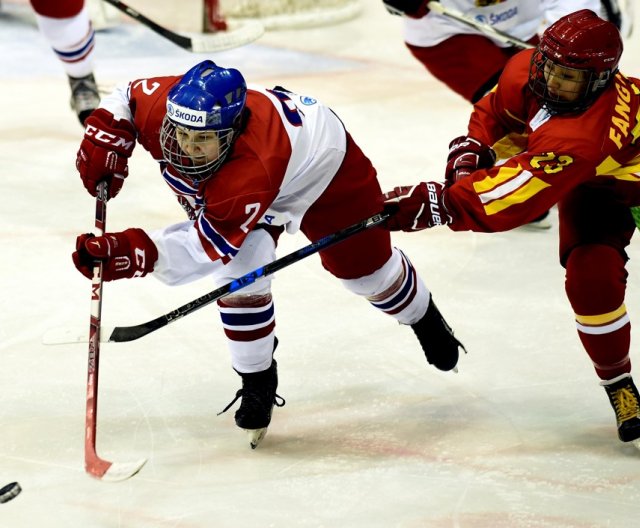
[581,118]
[464,58]
[468,61]
[247,164]
[66,26]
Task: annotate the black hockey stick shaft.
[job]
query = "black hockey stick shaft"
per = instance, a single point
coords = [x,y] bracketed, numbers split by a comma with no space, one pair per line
[130,333]
[179,40]
[612,11]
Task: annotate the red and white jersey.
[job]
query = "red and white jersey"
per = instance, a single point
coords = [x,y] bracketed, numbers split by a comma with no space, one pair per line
[522,19]
[600,146]
[279,165]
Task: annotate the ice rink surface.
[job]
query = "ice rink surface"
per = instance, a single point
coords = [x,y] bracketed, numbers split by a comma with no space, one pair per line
[371,436]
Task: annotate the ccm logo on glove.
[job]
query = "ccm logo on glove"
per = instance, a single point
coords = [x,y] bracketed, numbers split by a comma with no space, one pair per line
[109,139]
[104,152]
[124,255]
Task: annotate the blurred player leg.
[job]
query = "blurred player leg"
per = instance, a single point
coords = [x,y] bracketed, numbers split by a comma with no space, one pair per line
[66,26]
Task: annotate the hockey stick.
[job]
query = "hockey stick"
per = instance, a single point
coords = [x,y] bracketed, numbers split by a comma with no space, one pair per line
[130,333]
[621,17]
[198,43]
[93,464]
[612,12]
[487,29]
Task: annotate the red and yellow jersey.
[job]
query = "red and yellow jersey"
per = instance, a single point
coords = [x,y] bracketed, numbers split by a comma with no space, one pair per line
[599,146]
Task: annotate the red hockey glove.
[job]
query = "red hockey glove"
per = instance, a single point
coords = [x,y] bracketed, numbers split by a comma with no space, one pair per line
[104,151]
[467,155]
[416,207]
[124,255]
[411,8]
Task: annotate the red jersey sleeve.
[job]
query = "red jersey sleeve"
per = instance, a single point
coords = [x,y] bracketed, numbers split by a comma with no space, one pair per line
[517,192]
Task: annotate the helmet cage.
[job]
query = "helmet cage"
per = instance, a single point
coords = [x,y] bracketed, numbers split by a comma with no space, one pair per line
[196,166]
[578,42]
[207,104]
[577,99]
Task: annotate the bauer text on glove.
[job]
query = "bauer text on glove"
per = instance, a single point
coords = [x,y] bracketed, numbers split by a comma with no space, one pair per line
[104,152]
[124,255]
[416,207]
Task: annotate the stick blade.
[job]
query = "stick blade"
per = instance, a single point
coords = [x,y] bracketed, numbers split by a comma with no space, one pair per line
[123,334]
[119,471]
[113,471]
[71,336]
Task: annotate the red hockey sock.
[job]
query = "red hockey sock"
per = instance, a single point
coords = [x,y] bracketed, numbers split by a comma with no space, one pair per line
[595,284]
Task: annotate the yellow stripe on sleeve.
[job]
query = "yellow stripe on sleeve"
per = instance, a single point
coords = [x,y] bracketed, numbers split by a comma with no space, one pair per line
[531,188]
[504,174]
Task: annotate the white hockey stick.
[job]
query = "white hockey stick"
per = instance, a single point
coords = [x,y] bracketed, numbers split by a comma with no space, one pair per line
[94,465]
[244,33]
[487,29]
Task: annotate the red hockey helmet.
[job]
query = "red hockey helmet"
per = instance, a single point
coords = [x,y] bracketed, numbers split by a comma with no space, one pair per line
[577,58]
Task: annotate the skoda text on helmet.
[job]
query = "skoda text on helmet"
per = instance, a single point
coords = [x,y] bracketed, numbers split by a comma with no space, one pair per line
[577,58]
[204,115]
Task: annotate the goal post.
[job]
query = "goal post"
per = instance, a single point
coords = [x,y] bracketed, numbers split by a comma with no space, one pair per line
[280,14]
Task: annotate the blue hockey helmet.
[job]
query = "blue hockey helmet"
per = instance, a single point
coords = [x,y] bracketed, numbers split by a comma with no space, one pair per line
[210,99]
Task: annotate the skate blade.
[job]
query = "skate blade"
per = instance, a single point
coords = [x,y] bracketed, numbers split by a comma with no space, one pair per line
[256,436]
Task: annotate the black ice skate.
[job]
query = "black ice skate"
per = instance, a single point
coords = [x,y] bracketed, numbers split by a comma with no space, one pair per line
[258,395]
[436,338]
[625,401]
[84,96]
